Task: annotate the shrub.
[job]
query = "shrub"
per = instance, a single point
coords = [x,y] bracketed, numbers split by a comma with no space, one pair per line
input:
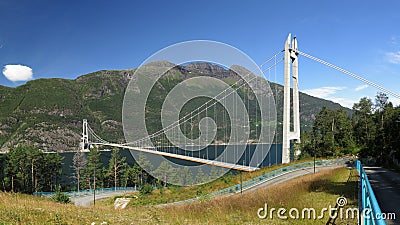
[146,189]
[60,196]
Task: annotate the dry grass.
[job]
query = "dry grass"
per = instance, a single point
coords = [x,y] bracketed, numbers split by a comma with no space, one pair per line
[316,191]
[26,209]
[174,194]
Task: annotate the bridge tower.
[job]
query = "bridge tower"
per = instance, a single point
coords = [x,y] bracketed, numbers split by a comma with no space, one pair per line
[290,63]
[85,136]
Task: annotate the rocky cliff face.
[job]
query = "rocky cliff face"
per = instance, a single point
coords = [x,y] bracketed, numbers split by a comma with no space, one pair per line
[47,113]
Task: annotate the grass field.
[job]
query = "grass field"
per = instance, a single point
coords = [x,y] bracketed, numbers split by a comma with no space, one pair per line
[315,190]
[176,193]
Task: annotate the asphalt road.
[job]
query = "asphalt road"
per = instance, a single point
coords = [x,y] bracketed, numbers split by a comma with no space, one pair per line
[386,186]
[289,176]
[88,199]
[273,181]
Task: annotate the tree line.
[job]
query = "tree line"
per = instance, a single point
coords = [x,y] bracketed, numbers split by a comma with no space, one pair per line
[27,169]
[371,129]
[89,173]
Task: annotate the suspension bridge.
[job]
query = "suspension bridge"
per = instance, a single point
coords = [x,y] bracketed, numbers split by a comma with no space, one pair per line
[159,144]
[169,142]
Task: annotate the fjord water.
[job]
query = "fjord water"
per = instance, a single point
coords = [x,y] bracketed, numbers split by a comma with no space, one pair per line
[273,156]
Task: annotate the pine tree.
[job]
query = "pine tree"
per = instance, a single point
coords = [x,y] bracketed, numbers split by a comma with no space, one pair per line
[92,171]
[14,166]
[214,173]
[200,177]
[79,163]
[364,126]
[185,177]
[3,161]
[131,176]
[142,166]
[166,172]
[332,135]
[117,165]
[34,157]
[381,103]
[50,171]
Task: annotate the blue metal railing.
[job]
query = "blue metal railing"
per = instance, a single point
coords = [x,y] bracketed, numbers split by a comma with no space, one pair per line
[370,211]
[232,189]
[88,192]
[266,177]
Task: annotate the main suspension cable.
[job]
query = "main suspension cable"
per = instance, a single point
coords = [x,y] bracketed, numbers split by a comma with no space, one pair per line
[186,117]
[370,83]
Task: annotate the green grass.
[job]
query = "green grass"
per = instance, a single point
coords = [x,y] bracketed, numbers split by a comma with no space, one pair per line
[315,190]
[176,193]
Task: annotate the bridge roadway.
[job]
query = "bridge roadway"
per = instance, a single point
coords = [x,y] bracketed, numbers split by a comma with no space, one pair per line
[183,157]
[386,186]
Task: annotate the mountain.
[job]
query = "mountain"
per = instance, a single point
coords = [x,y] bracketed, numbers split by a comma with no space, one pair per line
[48,113]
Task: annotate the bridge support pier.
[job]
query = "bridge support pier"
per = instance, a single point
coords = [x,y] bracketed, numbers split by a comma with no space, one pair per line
[85,136]
[290,63]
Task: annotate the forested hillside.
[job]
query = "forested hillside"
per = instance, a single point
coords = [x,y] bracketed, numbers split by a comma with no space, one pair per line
[47,113]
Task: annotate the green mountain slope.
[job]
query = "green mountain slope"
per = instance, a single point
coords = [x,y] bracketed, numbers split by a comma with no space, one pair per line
[47,113]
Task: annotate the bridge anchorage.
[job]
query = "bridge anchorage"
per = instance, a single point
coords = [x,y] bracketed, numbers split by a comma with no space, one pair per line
[90,138]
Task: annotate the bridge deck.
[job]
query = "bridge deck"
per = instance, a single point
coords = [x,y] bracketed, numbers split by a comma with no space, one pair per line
[183,157]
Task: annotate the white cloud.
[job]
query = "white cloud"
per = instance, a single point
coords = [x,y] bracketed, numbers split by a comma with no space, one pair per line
[393,57]
[344,102]
[394,41]
[361,87]
[327,92]
[395,101]
[323,92]
[17,72]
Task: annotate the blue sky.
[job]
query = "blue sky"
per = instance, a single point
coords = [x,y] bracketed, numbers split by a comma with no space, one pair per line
[70,38]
